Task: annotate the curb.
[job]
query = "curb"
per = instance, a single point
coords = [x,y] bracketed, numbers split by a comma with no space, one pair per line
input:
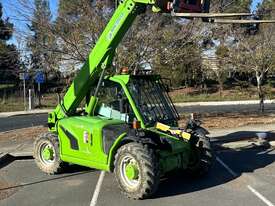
[10,114]
[221,103]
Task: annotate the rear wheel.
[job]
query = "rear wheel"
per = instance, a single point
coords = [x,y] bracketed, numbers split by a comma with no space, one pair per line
[137,170]
[46,153]
[201,159]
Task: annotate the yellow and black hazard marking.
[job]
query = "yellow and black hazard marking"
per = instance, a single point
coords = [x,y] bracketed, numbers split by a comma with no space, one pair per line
[174,131]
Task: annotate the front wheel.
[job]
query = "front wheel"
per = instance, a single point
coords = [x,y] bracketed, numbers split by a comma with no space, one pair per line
[46,153]
[137,170]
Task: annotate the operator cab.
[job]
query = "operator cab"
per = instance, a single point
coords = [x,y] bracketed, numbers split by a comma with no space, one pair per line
[141,97]
[113,102]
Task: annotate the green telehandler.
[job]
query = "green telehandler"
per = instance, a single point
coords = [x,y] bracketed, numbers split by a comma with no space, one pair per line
[129,123]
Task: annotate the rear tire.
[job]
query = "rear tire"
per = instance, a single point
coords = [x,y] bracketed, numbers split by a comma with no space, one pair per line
[201,159]
[46,153]
[146,176]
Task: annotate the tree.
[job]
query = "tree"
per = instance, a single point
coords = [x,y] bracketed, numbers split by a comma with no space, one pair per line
[231,5]
[256,54]
[77,28]
[146,43]
[41,43]
[9,57]
[217,41]
[266,9]
[178,55]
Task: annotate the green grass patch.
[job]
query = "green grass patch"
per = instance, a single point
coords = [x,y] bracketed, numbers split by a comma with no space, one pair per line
[6,86]
[234,96]
[206,98]
[11,105]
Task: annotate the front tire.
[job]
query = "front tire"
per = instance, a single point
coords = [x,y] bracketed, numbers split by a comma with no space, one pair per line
[137,170]
[46,153]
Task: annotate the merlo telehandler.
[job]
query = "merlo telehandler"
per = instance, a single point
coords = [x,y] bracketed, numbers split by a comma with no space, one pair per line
[129,124]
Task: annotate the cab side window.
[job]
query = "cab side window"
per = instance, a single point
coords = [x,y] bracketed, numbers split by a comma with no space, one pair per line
[112,95]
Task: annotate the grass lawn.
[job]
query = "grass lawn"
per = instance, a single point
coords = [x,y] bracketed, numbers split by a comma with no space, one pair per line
[12,104]
[193,95]
[6,86]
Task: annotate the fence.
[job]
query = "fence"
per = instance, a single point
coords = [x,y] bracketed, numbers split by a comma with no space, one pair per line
[12,95]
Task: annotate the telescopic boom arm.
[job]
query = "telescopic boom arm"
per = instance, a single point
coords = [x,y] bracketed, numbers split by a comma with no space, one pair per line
[100,58]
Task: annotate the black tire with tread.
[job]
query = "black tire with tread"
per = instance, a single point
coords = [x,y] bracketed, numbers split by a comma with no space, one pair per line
[204,158]
[150,173]
[58,164]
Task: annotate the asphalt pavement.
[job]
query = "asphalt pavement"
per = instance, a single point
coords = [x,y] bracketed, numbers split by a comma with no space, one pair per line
[243,177]
[249,108]
[23,121]
[252,183]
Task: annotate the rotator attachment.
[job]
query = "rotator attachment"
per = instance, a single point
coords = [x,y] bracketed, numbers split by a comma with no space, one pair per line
[200,9]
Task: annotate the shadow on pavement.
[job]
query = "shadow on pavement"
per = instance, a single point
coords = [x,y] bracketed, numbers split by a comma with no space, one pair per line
[74,170]
[9,159]
[243,135]
[69,171]
[244,160]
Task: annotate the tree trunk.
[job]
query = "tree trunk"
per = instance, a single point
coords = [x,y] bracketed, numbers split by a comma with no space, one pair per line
[220,85]
[4,97]
[204,83]
[259,77]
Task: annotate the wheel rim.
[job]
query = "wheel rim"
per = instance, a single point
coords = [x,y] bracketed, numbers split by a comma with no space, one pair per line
[129,172]
[46,153]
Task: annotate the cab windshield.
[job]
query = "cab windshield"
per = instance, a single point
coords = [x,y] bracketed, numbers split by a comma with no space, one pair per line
[152,100]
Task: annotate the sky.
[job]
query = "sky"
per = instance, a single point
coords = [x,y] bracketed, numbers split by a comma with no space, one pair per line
[254,4]
[9,10]
[9,4]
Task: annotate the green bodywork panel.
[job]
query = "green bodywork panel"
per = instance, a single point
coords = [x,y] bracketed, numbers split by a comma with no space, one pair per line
[89,152]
